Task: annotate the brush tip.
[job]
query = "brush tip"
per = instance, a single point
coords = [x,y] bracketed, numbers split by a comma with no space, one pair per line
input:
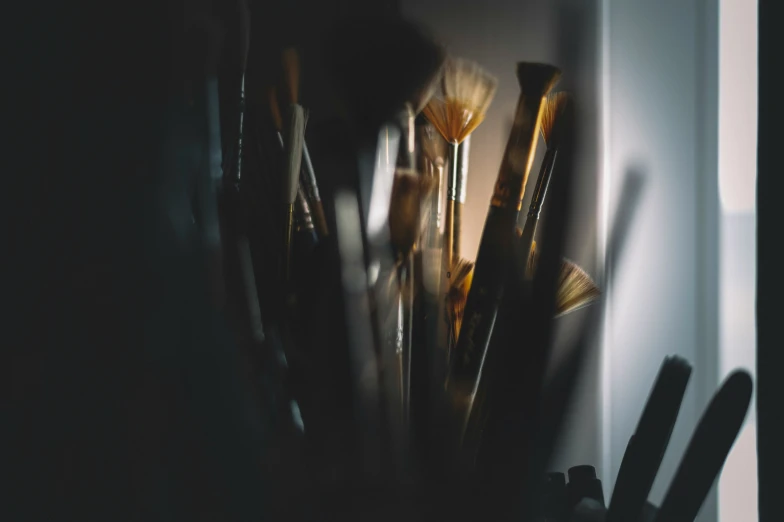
[555,106]
[536,77]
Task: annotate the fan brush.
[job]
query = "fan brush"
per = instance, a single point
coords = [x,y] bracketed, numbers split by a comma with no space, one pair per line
[461,274]
[468,91]
[576,289]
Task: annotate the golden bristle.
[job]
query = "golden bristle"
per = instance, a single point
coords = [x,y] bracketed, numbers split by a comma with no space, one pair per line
[575,287]
[277,120]
[461,276]
[291,73]
[467,92]
[553,107]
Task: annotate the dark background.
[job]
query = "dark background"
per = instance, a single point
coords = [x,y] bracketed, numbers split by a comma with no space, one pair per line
[102,331]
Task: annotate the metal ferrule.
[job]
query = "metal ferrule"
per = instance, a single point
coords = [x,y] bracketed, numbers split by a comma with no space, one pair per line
[451,187]
[462,169]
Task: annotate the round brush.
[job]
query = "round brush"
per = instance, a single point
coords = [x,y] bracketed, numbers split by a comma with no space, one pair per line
[467,91]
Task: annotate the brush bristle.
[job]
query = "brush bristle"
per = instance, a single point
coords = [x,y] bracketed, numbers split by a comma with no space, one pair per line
[381,64]
[277,120]
[461,276]
[467,93]
[576,289]
[294,143]
[291,72]
[553,108]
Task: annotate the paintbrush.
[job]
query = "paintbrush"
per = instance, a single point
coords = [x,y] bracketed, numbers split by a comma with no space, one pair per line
[291,70]
[295,133]
[456,113]
[362,355]
[381,83]
[576,288]
[433,149]
[304,219]
[646,447]
[496,245]
[555,105]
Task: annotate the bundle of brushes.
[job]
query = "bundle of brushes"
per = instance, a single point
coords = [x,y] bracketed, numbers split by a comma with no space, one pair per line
[362,301]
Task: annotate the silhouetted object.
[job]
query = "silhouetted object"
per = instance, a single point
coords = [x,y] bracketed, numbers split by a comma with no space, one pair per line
[583,483]
[707,450]
[646,447]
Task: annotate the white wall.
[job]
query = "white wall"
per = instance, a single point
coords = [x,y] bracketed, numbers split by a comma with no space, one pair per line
[498,34]
[680,286]
[660,107]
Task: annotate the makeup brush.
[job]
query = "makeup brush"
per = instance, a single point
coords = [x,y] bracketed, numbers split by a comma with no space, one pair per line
[707,450]
[498,236]
[381,83]
[291,70]
[554,107]
[468,91]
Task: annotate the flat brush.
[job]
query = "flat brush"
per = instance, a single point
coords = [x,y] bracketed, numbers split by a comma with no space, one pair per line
[554,107]
[468,91]
[291,70]
[707,450]
[496,245]
[647,445]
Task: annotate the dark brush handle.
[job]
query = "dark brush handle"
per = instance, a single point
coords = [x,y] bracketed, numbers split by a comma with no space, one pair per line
[646,448]
[707,450]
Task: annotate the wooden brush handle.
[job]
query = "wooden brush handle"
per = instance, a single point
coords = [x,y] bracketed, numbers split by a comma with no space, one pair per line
[449,233]
[457,233]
